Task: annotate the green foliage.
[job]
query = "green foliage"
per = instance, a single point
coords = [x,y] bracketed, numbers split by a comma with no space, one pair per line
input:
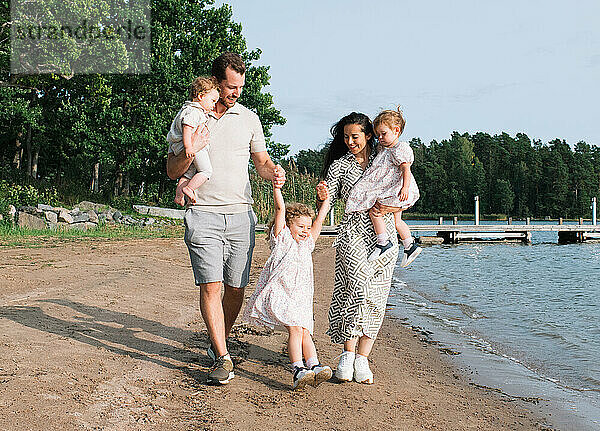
[118,122]
[25,194]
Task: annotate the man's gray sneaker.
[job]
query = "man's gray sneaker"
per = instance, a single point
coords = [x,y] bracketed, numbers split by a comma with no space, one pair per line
[221,372]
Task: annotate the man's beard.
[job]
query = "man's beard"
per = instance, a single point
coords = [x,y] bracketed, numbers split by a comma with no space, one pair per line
[226,103]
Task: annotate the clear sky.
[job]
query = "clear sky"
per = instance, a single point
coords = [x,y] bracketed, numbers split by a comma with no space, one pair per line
[527,66]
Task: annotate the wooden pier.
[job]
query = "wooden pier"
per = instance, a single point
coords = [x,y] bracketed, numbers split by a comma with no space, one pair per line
[456,233]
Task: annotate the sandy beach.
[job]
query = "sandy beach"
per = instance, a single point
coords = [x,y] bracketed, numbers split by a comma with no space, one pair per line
[107,335]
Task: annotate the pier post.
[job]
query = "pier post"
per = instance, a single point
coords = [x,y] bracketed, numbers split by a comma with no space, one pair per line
[331,217]
[509,220]
[441,221]
[455,221]
[560,220]
[594,220]
[580,220]
[528,220]
[476,210]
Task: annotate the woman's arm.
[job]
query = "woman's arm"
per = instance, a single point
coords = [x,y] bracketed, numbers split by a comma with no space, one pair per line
[279,222]
[330,187]
[315,229]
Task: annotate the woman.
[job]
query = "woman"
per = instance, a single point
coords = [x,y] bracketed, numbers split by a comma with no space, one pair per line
[361,287]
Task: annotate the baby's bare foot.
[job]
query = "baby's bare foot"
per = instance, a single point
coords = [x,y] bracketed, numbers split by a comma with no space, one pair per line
[190,194]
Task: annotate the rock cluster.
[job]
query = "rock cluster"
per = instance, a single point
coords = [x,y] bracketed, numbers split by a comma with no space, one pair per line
[86,215]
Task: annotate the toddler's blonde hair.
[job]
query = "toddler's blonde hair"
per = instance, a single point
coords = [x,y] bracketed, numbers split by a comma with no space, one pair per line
[391,119]
[202,85]
[293,210]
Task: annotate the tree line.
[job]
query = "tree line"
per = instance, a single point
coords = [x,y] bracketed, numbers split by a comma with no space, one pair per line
[514,176]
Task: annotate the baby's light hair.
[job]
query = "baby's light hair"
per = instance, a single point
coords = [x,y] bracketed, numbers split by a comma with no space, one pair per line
[293,210]
[391,119]
[202,85]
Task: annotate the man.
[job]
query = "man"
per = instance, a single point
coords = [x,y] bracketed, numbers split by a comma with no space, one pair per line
[219,227]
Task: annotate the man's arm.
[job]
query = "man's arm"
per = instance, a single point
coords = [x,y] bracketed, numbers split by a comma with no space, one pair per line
[178,164]
[267,169]
[264,165]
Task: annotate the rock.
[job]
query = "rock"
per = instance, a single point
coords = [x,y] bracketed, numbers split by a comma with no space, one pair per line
[149,221]
[91,206]
[161,212]
[51,216]
[80,217]
[93,216]
[30,221]
[64,216]
[43,207]
[117,215]
[90,225]
[102,217]
[50,225]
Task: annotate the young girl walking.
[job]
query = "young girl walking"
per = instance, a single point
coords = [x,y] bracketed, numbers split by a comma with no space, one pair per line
[284,292]
[193,116]
[390,182]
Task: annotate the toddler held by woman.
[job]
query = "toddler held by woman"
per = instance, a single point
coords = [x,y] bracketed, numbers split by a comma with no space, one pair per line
[390,182]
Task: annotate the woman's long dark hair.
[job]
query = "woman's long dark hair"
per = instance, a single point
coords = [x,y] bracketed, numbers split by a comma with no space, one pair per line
[337,146]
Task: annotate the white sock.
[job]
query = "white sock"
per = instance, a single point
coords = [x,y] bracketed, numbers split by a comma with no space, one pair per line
[311,362]
[407,242]
[382,238]
[226,356]
[298,364]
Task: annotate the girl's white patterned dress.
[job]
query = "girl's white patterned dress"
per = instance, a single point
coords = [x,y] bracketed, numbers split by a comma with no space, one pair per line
[361,288]
[285,287]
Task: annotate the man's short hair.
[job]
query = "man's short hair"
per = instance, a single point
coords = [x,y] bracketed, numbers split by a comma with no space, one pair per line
[225,60]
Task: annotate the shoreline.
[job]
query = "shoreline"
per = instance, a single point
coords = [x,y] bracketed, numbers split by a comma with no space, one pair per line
[565,408]
[102,335]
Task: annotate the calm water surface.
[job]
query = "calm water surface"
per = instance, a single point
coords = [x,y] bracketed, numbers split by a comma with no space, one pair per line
[536,306]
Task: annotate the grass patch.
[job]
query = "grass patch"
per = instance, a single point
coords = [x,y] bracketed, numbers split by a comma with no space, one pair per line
[33,238]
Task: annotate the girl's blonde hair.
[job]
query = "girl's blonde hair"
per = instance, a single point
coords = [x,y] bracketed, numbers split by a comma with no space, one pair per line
[293,210]
[202,85]
[391,119]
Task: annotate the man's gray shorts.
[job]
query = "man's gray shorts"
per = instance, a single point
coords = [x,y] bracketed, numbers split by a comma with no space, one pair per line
[220,246]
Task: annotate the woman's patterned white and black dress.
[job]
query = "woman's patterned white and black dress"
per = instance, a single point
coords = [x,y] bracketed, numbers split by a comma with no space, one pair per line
[361,288]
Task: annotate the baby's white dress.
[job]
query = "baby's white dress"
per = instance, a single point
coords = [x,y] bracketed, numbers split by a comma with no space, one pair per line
[382,181]
[285,287]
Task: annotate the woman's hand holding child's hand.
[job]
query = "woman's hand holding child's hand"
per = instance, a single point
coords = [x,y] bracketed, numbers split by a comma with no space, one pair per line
[322,191]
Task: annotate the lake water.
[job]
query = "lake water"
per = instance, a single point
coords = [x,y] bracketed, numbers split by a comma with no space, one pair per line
[526,318]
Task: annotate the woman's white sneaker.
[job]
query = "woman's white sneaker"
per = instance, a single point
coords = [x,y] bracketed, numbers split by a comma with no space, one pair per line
[345,368]
[362,372]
